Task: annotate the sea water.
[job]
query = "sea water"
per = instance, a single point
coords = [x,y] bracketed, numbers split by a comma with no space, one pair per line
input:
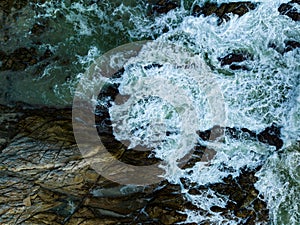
[190,90]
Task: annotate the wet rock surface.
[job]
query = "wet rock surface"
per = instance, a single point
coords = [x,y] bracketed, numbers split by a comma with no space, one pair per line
[8,5]
[290,45]
[221,11]
[270,135]
[234,60]
[243,198]
[243,201]
[162,6]
[45,180]
[19,59]
[290,10]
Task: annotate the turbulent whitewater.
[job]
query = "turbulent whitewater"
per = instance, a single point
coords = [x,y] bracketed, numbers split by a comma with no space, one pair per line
[178,86]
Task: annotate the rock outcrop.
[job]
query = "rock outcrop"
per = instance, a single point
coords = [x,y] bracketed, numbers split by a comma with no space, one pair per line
[45,180]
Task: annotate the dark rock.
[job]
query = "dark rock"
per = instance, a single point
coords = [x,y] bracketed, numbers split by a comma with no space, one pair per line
[233,58]
[6,5]
[240,133]
[291,45]
[204,135]
[3,56]
[154,65]
[289,10]
[45,180]
[19,59]
[238,8]
[47,54]
[19,4]
[8,126]
[38,29]
[162,6]
[243,197]
[270,135]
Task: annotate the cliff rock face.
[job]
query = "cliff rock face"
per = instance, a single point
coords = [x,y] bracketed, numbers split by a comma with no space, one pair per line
[45,180]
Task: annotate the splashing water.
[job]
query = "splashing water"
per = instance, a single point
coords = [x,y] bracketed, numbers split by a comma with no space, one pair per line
[266,93]
[169,102]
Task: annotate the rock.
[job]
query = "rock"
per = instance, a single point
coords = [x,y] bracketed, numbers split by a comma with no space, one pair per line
[243,198]
[2,55]
[19,4]
[289,10]
[19,59]
[221,11]
[291,45]
[38,29]
[8,126]
[6,6]
[270,135]
[233,60]
[9,5]
[162,6]
[45,180]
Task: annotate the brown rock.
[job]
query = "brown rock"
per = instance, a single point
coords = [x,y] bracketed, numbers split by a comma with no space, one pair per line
[44,180]
[6,5]
[162,6]
[289,10]
[238,8]
[19,59]
[18,4]
[38,29]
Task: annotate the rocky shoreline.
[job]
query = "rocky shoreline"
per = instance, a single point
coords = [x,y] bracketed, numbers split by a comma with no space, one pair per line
[45,180]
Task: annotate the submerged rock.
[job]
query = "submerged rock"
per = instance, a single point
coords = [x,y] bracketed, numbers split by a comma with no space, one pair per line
[38,28]
[243,201]
[21,58]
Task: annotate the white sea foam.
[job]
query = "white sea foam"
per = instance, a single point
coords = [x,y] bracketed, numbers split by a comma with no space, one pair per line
[179,100]
[267,93]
